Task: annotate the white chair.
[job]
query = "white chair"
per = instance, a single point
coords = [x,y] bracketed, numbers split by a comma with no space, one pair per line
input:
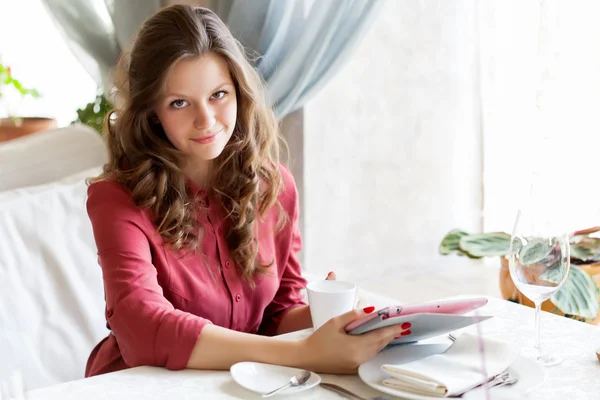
[51,293]
[47,156]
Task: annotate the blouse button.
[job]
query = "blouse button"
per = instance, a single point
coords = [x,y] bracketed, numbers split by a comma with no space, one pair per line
[238,298]
[227,264]
[109,313]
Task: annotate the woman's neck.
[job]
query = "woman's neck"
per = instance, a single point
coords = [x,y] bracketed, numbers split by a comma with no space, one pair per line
[199,172]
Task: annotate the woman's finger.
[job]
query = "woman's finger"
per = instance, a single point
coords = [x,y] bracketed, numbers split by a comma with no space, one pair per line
[331,276]
[389,333]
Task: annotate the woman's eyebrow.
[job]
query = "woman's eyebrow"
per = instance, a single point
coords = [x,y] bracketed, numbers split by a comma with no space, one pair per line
[177,94]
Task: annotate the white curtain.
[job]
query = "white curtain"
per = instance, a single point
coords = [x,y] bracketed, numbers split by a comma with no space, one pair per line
[301,44]
[540,93]
[97,31]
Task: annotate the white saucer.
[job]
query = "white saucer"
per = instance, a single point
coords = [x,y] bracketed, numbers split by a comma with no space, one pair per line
[262,378]
[529,372]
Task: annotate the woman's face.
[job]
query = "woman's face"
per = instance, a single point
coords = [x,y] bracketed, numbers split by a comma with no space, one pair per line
[198,108]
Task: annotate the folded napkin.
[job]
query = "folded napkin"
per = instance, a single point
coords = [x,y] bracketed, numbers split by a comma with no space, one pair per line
[459,368]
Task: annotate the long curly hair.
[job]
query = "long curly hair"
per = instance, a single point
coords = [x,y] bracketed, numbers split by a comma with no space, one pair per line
[245,176]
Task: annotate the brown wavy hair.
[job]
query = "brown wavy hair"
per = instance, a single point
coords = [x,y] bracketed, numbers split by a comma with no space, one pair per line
[245,177]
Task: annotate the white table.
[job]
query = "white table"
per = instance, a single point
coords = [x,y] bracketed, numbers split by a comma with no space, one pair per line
[577,378]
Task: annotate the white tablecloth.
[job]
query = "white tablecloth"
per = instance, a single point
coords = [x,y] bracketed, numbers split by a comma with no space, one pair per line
[577,378]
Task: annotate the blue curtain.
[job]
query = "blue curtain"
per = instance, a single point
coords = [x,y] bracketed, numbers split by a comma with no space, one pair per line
[300,44]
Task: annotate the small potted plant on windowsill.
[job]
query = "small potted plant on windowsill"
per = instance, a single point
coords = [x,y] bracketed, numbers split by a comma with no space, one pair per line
[12,126]
[93,113]
[578,298]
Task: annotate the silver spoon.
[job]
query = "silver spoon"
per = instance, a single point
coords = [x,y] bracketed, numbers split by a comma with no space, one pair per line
[297,380]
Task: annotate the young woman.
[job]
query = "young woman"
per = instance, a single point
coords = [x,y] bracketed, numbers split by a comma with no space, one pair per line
[195,220]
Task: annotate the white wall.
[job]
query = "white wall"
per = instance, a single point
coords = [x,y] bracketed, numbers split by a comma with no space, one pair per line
[393,146]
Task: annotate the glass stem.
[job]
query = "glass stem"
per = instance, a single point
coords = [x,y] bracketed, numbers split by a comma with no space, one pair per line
[537,346]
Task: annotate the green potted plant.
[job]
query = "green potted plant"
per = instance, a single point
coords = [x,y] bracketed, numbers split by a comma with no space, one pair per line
[93,113]
[578,298]
[13,126]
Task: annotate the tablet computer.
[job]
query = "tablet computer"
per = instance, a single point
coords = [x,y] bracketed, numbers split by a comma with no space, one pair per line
[427,319]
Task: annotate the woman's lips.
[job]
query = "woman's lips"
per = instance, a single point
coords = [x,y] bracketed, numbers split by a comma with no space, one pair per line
[207,138]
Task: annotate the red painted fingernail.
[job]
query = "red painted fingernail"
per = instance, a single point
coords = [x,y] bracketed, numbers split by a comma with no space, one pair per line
[397,337]
[368,310]
[405,333]
[405,325]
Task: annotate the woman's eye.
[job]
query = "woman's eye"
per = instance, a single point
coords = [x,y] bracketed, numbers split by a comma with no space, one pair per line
[178,104]
[219,95]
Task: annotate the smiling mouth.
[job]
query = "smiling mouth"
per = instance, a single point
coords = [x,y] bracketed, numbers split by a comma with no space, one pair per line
[207,138]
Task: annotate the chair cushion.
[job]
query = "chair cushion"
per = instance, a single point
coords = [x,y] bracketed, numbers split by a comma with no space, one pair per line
[47,156]
[51,292]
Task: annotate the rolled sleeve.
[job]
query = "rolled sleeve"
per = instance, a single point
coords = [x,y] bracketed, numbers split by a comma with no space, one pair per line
[148,329]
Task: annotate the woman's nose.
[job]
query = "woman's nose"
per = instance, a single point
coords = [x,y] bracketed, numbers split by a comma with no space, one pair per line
[205,118]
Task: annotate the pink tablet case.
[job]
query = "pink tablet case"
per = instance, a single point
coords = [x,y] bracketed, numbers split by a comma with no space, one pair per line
[427,319]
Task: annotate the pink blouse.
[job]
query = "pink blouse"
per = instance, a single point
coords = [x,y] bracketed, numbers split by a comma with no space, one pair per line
[158,300]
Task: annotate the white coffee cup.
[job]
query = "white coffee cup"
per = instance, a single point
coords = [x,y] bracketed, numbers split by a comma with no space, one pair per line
[328,299]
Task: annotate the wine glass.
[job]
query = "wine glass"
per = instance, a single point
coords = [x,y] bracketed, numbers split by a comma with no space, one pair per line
[539,262]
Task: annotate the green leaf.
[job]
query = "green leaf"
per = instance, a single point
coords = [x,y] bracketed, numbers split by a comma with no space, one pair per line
[579,294]
[581,254]
[450,242]
[34,93]
[6,79]
[486,244]
[535,250]
[586,250]
[92,114]
[554,274]
[17,85]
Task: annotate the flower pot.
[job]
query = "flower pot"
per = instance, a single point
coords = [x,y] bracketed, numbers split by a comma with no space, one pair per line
[19,127]
[510,292]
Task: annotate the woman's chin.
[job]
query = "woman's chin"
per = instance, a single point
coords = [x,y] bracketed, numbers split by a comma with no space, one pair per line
[209,153]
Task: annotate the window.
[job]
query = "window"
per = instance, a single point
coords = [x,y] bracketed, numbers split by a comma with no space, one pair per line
[39,57]
[540,95]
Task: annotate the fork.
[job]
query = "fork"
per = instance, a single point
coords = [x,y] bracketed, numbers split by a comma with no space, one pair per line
[501,379]
[493,381]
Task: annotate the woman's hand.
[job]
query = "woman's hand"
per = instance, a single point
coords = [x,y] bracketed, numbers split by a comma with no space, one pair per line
[299,318]
[331,350]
